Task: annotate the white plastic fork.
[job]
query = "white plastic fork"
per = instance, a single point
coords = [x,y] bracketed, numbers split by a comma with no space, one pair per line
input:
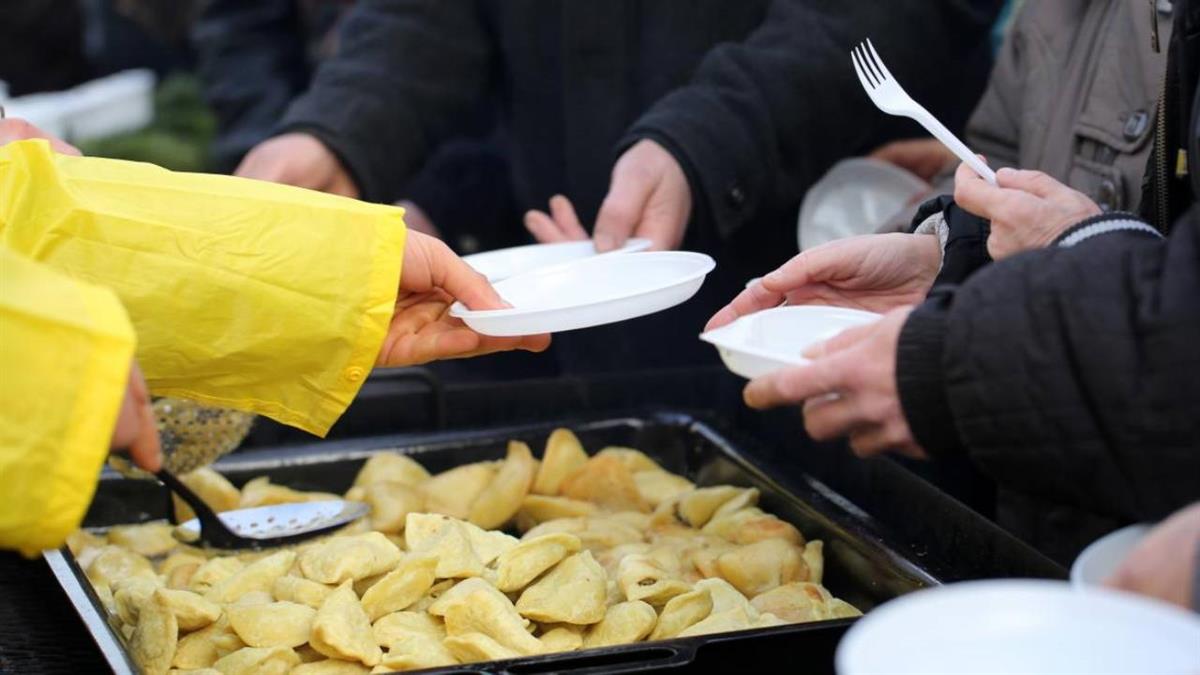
[890,97]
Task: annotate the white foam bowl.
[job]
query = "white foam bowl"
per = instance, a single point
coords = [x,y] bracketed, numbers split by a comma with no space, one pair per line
[1100,559]
[1013,626]
[776,338]
[590,292]
[506,262]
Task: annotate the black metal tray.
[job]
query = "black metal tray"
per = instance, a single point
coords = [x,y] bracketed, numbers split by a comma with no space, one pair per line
[862,565]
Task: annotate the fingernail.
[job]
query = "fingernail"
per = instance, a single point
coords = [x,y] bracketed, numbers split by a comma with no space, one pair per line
[1006,171]
[814,351]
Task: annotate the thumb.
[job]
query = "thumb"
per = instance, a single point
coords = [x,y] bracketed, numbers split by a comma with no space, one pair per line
[454,276]
[146,449]
[623,207]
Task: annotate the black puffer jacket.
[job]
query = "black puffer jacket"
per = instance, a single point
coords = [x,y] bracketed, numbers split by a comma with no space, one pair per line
[1071,374]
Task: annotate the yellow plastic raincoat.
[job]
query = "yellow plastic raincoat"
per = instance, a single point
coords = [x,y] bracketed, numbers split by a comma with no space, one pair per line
[240,293]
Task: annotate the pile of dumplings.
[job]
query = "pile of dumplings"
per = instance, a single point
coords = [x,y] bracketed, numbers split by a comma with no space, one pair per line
[613,550]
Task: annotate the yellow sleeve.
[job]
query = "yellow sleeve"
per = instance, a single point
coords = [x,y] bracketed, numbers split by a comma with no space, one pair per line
[244,294]
[65,353]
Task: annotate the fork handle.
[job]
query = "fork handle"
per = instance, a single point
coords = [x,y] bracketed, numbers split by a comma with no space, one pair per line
[948,139]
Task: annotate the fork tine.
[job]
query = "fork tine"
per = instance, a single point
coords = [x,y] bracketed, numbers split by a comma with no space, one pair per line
[869,63]
[879,62]
[863,75]
[865,58]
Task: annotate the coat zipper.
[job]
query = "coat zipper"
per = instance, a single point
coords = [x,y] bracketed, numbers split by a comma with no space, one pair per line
[1161,169]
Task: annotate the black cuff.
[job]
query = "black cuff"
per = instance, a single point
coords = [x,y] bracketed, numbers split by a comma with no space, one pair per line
[1116,222]
[921,379]
[348,159]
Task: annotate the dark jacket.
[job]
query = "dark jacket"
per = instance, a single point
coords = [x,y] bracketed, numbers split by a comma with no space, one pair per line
[1070,374]
[755,98]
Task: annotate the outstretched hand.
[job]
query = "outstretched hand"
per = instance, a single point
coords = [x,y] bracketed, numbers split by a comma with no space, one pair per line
[432,279]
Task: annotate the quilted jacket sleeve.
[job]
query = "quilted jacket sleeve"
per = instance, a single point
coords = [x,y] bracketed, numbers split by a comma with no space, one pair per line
[1070,372]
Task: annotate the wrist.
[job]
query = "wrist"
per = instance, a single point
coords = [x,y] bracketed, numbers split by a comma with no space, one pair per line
[1115,222]
[921,379]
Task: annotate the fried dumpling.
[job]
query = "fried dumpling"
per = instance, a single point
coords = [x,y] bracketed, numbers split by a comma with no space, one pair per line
[154,638]
[659,486]
[520,565]
[814,558]
[840,609]
[179,567]
[681,612]
[391,467]
[634,460]
[725,597]
[536,509]
[796,602]
[720,622]
[493,615]
[259,575]
[212,573]
[340,559]
[623,623]
[330,667]
[390,503]
[415,651]
[750,525]
[476,647]
[113,563]
[562,638]
[502,498]
[607,482]
[564,454]
[448,544]
[192,612]
[459,593]
[401,587]
[262,492]
[453,492]
[594,533]
[275,624]
[342,630]
[213,488]
[642,577]
[300,590]
[573,592]
[258,661]
[761,566]
[697,507]
[204,647]
[397,624]
[147,539]
[130,593]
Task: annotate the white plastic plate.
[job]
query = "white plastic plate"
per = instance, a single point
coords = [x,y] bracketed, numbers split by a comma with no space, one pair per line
[506,262]
[1100,559]
[1021,626]
[856,196]
[776,338]
[594,291]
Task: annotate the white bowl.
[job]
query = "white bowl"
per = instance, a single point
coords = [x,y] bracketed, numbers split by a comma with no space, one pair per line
[590,292]
[1021,626]
[506,262]
[776,338]
[856,196]
[1100,559]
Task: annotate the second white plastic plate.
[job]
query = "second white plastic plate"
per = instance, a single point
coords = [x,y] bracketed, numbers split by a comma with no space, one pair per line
[594,291]
[776,338]
[506,262]
[1017,626]
[1100,559]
